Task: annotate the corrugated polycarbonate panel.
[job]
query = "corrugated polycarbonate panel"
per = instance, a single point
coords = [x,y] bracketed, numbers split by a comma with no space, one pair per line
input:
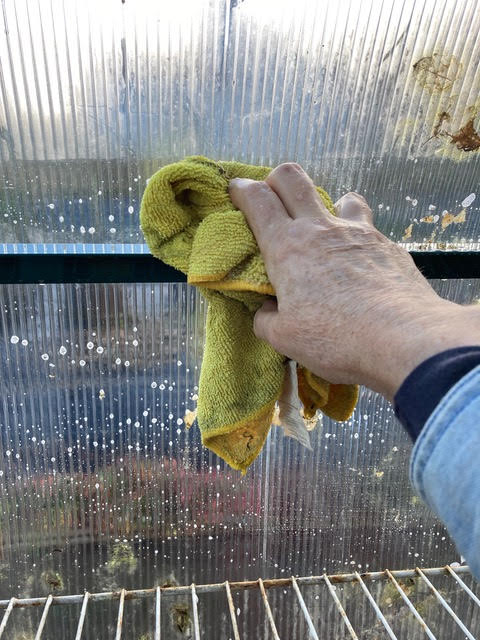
[380,97]
[102,486]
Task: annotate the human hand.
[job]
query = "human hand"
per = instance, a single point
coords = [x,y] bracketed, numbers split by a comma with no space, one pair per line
[351,306]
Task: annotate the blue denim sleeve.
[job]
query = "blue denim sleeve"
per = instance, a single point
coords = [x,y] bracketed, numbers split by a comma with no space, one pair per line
[445,465]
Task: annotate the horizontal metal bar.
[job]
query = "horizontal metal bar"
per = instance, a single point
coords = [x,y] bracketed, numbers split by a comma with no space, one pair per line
[84,268]
[234,586]
[118,267]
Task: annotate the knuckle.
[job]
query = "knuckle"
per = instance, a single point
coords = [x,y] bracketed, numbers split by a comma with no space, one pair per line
[257,187]
[286,169]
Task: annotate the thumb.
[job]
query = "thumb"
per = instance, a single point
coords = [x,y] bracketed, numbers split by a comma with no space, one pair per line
[266,320]
[352,206]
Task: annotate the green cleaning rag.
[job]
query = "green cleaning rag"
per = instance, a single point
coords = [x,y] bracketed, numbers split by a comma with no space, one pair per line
[190,223]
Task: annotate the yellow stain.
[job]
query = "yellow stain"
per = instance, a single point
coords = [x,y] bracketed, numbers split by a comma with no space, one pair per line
[408,232]
[449,218]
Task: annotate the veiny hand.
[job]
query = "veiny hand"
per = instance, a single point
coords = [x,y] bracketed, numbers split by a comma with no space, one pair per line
[351,305]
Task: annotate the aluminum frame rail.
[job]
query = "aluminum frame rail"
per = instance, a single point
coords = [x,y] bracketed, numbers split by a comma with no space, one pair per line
[158,593]
[136,268]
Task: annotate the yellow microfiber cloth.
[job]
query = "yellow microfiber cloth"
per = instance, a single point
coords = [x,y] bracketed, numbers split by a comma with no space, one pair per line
[190,223]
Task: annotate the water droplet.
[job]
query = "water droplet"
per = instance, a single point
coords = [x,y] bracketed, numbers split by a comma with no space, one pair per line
[135,343]
[99,349]
[82,363]
[14,339]
[130,209]
[62,351]
[24,342]
[179,363]
[45,356]
[118,361]
[127,363]
[89,345]
[154,385]
[51,206]
[91,230]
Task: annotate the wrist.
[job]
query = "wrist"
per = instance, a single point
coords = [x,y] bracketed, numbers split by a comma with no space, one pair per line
[424,331]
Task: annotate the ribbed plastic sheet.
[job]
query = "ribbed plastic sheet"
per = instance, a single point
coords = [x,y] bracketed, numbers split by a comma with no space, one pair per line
[103,487]
[380,97]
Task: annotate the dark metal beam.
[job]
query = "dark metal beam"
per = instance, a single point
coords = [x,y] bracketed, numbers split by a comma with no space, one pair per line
[108,268]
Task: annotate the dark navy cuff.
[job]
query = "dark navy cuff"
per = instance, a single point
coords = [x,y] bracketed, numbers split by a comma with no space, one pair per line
[426,385]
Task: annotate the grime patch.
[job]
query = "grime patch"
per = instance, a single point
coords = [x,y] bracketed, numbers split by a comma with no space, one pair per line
[437,72]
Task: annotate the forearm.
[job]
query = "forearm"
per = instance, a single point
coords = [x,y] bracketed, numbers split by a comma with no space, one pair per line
[426,327]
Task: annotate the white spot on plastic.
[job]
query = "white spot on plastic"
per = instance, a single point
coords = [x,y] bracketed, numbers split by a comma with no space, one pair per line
[468,200]
[45,356]
[62,351]
[130,209]
[14,339]
[51,206]
[89,345]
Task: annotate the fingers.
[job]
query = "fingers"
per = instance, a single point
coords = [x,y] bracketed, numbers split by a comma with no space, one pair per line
[265,321]
[297,192]
[262,207]
[352,206]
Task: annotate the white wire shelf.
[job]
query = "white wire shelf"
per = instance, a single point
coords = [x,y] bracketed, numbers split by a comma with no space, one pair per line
[225,589]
